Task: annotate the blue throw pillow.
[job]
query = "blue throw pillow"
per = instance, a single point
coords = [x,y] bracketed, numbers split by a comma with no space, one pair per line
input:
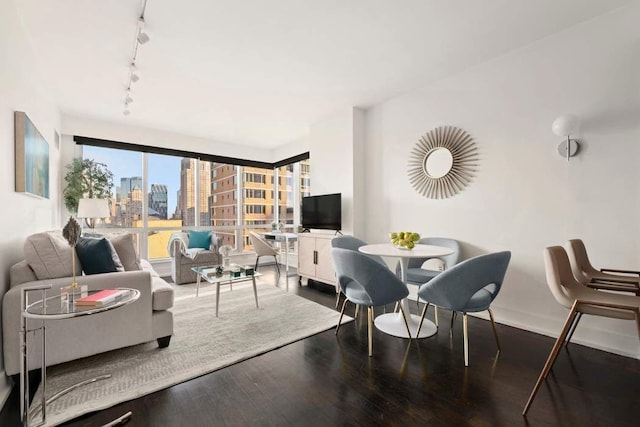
[199,239]
[97,256]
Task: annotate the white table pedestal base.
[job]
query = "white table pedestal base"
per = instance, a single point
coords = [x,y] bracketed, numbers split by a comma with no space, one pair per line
[393,324]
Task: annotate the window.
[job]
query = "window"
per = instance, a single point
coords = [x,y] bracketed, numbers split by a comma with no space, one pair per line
[175,193]
[128,191]
[255,209]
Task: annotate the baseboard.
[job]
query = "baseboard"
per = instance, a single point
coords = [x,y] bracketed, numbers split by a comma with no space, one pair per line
[550,327]
[5,388]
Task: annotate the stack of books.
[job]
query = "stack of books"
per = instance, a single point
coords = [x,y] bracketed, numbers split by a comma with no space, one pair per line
[102,298]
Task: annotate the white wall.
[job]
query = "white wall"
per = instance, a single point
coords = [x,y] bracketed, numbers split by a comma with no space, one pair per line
[335,168]
[525,196]
[21,89]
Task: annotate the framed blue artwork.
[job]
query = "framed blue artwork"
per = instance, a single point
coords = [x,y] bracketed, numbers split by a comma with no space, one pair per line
[32,158]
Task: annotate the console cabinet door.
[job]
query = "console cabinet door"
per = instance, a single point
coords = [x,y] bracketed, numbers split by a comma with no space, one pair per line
[306,248]
[324,268]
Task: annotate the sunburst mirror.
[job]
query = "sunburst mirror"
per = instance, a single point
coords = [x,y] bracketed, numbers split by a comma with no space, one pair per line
[443,162]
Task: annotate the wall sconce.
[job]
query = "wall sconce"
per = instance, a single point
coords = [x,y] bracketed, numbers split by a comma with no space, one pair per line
[565,125]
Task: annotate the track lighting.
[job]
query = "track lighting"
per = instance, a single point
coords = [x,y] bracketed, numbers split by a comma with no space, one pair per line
[141,38]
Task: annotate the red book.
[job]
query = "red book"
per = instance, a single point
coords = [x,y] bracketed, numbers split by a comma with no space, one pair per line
[102,298]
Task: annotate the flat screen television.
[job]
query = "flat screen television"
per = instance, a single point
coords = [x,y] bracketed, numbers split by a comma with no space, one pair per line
[322,212]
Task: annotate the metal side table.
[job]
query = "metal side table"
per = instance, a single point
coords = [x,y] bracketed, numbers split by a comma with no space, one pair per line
[54,308]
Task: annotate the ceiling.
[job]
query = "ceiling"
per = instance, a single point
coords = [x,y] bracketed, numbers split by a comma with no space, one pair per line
[258,72]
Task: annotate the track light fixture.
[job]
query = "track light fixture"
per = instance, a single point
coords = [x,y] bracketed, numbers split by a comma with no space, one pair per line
[141,38]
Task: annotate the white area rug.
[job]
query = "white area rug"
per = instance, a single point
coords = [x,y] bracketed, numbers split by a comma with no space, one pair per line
[201,343]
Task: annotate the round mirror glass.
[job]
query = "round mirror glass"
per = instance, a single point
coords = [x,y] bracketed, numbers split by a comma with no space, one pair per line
[438,162]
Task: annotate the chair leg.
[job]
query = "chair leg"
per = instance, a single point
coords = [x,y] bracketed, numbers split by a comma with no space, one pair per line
[424,312]
[453,318]
[256,266]
[344,304]
[337,299]
[355,314]
[277,265]
[552,356]
[370,329]
[465,333]
[435,307]
[406,323]
[395,309]
[574,325]
[495,332]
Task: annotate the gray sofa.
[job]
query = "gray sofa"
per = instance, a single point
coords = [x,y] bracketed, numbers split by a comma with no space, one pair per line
[183,259]
[147,319]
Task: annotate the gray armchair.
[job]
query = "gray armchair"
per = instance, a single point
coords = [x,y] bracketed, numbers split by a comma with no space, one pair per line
[183,258]
[366,282]
[416,275]
[352,243]
[469,287]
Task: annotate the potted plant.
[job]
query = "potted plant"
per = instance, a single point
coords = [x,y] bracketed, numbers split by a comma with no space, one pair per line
[86,178]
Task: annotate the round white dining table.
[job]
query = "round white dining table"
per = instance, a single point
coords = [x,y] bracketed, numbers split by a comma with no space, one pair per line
[392,323]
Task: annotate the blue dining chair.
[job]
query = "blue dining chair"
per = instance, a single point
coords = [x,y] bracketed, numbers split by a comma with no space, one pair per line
[468,287]
[352,243]
[416,275]
[366,282]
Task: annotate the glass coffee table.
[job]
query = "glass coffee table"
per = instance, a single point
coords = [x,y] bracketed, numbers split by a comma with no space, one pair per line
[55,308]
[211,275]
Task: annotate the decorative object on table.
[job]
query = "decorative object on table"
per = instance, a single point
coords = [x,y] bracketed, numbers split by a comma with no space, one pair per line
[86,178]
[225,251]
[443,162]
[219,271]
[566,125]
[31,158]
[102,298]
[236,272]
[277,227]
[92,209]
[71,232]
[248,270]
[404,239]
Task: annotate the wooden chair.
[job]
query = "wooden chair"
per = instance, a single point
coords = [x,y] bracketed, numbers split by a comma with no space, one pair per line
[606,278]
[580,300]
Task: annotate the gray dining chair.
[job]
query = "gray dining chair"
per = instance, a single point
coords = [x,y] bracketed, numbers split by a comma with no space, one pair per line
[468,287]
[366,282]
[352,243]
[579,299]
[416,275]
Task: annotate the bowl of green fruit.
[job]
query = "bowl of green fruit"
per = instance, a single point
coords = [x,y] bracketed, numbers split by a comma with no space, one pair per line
[406,240]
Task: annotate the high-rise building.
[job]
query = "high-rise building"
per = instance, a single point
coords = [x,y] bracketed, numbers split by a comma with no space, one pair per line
[127,184]
[187,200]
[158,200]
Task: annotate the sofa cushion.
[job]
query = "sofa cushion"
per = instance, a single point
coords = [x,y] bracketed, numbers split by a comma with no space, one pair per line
[50,256]
[97,256]
[199,239]
[125,246]
[162,294]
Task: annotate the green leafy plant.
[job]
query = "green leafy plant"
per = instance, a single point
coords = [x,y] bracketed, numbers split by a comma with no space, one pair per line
[86,178]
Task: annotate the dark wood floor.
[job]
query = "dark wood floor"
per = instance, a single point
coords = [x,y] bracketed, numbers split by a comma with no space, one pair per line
[329,380]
